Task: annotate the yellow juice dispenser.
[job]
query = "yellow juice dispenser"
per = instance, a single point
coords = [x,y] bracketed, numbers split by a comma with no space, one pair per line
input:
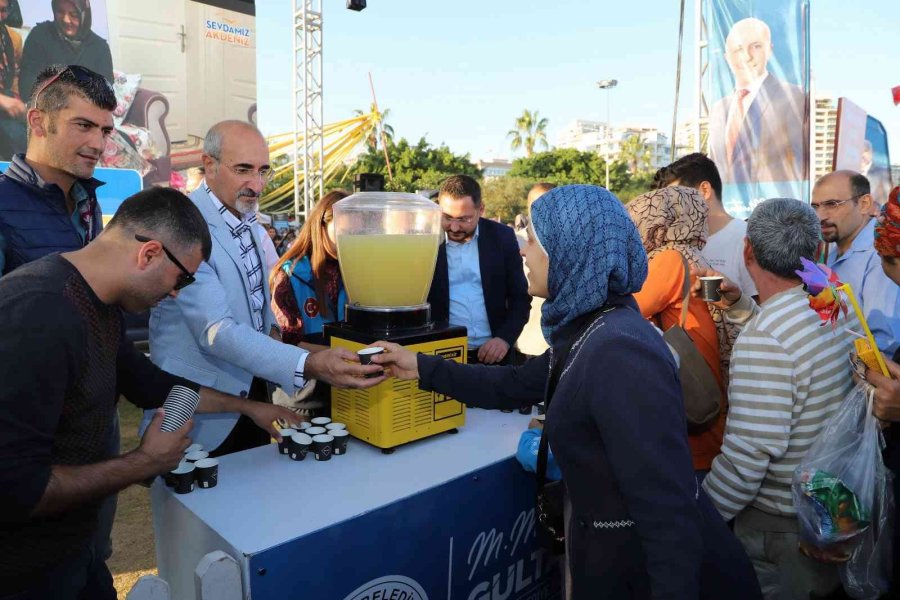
[387,247]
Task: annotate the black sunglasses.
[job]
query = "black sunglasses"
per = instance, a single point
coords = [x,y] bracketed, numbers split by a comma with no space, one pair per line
[80,73]
[186,278]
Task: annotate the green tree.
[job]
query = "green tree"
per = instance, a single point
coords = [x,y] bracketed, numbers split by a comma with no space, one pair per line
[635,153]
[568,165]
[530,131]
[377,127]
[418,166]
[505,197]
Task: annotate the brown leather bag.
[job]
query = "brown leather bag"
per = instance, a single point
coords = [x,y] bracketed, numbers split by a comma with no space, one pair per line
[699,388]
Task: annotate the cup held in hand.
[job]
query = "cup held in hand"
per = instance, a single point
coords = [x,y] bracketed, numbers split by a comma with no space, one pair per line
[709,289]
[365,358]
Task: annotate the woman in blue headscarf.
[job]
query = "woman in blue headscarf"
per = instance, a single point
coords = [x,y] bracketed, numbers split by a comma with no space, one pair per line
[637,526]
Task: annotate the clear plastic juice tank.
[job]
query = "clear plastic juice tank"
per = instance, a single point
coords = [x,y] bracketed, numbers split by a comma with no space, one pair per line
[387,246]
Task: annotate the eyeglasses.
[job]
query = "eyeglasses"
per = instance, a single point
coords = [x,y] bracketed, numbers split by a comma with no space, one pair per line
[828,205]
[265,174]
[186,278]
[461,220]
[80,73]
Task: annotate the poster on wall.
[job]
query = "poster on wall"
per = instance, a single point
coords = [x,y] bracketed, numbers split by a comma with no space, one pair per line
[759,112]
[861,145]
[71,32]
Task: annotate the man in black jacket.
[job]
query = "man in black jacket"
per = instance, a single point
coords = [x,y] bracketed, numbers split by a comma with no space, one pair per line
[63,361]
[479,282]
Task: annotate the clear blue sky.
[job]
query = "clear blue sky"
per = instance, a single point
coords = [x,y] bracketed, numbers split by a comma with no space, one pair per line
[461,71]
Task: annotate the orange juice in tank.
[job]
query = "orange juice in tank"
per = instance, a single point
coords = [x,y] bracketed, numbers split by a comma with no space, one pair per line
[387,247]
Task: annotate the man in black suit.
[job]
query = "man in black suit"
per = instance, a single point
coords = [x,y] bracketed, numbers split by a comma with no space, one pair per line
[479,281]
[759,132]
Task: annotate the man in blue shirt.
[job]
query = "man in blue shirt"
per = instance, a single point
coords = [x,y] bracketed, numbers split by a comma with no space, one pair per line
[843,203]
[48,200]
[479,282]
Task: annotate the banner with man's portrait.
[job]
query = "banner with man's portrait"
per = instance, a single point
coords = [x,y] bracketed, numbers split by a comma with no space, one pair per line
[861,145]
[759,101]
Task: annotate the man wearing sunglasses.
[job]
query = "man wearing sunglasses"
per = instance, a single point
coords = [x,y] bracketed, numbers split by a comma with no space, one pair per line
[64,360]
[221,331]
[48,199]
[843,203]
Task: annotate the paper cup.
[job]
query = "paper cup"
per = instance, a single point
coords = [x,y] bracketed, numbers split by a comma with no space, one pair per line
[332,426]
[299,445]
[169,479]
[180,405]
[321,421]
[323,447]
[207,472]
[313,431]
[193,448]
[709,288]
[196,455]
[341,437]
[365,358]
[285,438]
[183,478]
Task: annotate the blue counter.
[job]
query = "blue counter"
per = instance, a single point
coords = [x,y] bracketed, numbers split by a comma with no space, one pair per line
[448,517]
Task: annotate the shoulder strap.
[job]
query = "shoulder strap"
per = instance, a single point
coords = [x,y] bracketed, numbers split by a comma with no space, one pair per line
[686,290]
[557,364]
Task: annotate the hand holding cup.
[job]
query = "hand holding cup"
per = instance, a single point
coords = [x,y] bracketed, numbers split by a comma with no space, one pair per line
[728,291]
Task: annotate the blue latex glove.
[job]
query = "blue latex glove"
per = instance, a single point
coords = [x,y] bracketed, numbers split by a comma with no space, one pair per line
[527,453]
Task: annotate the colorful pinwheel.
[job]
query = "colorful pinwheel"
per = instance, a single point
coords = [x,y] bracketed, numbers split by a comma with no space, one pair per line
[822,285]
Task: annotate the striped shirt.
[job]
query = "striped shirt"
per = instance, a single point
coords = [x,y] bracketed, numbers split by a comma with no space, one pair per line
[241,233]
[788,375]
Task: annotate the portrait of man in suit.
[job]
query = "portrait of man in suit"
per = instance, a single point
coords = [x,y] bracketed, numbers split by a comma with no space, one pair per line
[759,131]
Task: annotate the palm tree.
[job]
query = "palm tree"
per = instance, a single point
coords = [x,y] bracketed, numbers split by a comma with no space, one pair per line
[529,132]
[377,127]
[635,153]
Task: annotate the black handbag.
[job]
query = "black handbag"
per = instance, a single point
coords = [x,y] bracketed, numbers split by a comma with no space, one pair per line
[551,497]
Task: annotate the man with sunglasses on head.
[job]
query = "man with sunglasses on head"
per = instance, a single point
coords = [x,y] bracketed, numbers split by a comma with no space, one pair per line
[221,331]
[843,202]
[64,360]
[48,199]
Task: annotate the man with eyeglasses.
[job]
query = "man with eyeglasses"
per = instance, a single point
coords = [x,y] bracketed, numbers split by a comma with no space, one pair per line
[479,281]
[221,331]
[48,199]
[64,360]
[843,203]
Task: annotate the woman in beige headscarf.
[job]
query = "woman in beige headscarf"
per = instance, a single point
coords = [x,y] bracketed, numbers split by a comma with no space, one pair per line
[672,225]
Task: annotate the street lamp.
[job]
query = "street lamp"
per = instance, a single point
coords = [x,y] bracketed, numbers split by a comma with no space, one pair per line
[607,84]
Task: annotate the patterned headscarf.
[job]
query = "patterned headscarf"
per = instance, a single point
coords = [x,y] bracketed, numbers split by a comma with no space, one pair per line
[675,218]
[887,232]
[672,218]
[594,251]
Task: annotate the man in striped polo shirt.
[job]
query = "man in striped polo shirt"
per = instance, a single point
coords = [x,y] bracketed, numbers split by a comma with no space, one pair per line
[788,375]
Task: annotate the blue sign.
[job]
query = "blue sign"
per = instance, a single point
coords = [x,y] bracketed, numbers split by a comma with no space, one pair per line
[759,100]
[119,184]
[472,538]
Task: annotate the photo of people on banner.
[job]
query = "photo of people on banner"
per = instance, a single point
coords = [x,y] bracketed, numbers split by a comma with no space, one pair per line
[759,112]
[861,144]
[164,98]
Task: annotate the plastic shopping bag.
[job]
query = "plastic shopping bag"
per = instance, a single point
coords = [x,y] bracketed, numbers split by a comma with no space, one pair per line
[842,494]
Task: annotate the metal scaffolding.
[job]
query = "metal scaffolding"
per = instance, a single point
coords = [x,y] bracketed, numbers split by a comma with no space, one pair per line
[702,79]
[308,113]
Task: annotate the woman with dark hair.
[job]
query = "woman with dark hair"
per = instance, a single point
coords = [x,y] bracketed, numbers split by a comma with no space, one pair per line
[307,293]
[637,524]
[67,40]
[12,108]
